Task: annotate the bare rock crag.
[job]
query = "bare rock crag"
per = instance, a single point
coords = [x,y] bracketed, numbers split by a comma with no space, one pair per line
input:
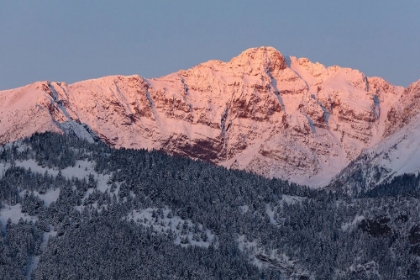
[277,116]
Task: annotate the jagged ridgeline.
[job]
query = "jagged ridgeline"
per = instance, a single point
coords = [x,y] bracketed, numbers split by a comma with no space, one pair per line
[275,115]
[75,210]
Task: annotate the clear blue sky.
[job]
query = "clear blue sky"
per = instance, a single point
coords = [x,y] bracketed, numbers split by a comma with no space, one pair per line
[75,40]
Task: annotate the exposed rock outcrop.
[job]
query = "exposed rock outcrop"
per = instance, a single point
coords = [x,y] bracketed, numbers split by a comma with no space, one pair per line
[263,112]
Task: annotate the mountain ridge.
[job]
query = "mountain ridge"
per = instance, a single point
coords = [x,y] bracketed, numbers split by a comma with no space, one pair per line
[261,112]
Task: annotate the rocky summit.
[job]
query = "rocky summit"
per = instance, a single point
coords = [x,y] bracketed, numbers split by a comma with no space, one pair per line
[276,116]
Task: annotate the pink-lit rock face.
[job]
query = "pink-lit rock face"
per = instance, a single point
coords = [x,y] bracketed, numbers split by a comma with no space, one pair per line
[276,116]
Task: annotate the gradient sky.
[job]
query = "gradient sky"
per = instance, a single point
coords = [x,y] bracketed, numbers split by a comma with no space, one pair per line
[75,40]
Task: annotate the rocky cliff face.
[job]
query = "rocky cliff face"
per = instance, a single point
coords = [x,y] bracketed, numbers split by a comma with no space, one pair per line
[276,116]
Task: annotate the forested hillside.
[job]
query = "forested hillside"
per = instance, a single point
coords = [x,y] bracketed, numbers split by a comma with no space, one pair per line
[76,210]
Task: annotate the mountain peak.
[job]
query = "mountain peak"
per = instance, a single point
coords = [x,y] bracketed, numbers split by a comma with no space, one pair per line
[299,121]
[267,57]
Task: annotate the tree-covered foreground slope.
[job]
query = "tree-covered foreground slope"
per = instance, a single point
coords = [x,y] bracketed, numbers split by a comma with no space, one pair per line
[76,210]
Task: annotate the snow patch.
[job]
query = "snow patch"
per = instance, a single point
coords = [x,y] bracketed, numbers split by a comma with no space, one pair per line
[14,213]
[185,232]
[81,170]
[290,199]
[33,262]
[33,165]
[243,208]
[352,224]
[3,168]
[264,258]
[48,197]
[270,212]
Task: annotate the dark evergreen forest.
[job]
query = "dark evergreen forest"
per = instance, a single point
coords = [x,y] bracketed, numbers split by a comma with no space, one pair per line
[205,222]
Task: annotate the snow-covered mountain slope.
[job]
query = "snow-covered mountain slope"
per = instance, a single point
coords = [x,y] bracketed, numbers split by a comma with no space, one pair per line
[396,155]
[276,116]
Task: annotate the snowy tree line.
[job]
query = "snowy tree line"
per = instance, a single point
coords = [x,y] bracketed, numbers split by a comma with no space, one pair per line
[265,229]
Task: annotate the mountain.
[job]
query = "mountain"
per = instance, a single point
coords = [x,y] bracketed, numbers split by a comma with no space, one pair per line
[397,154]
[277,116]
